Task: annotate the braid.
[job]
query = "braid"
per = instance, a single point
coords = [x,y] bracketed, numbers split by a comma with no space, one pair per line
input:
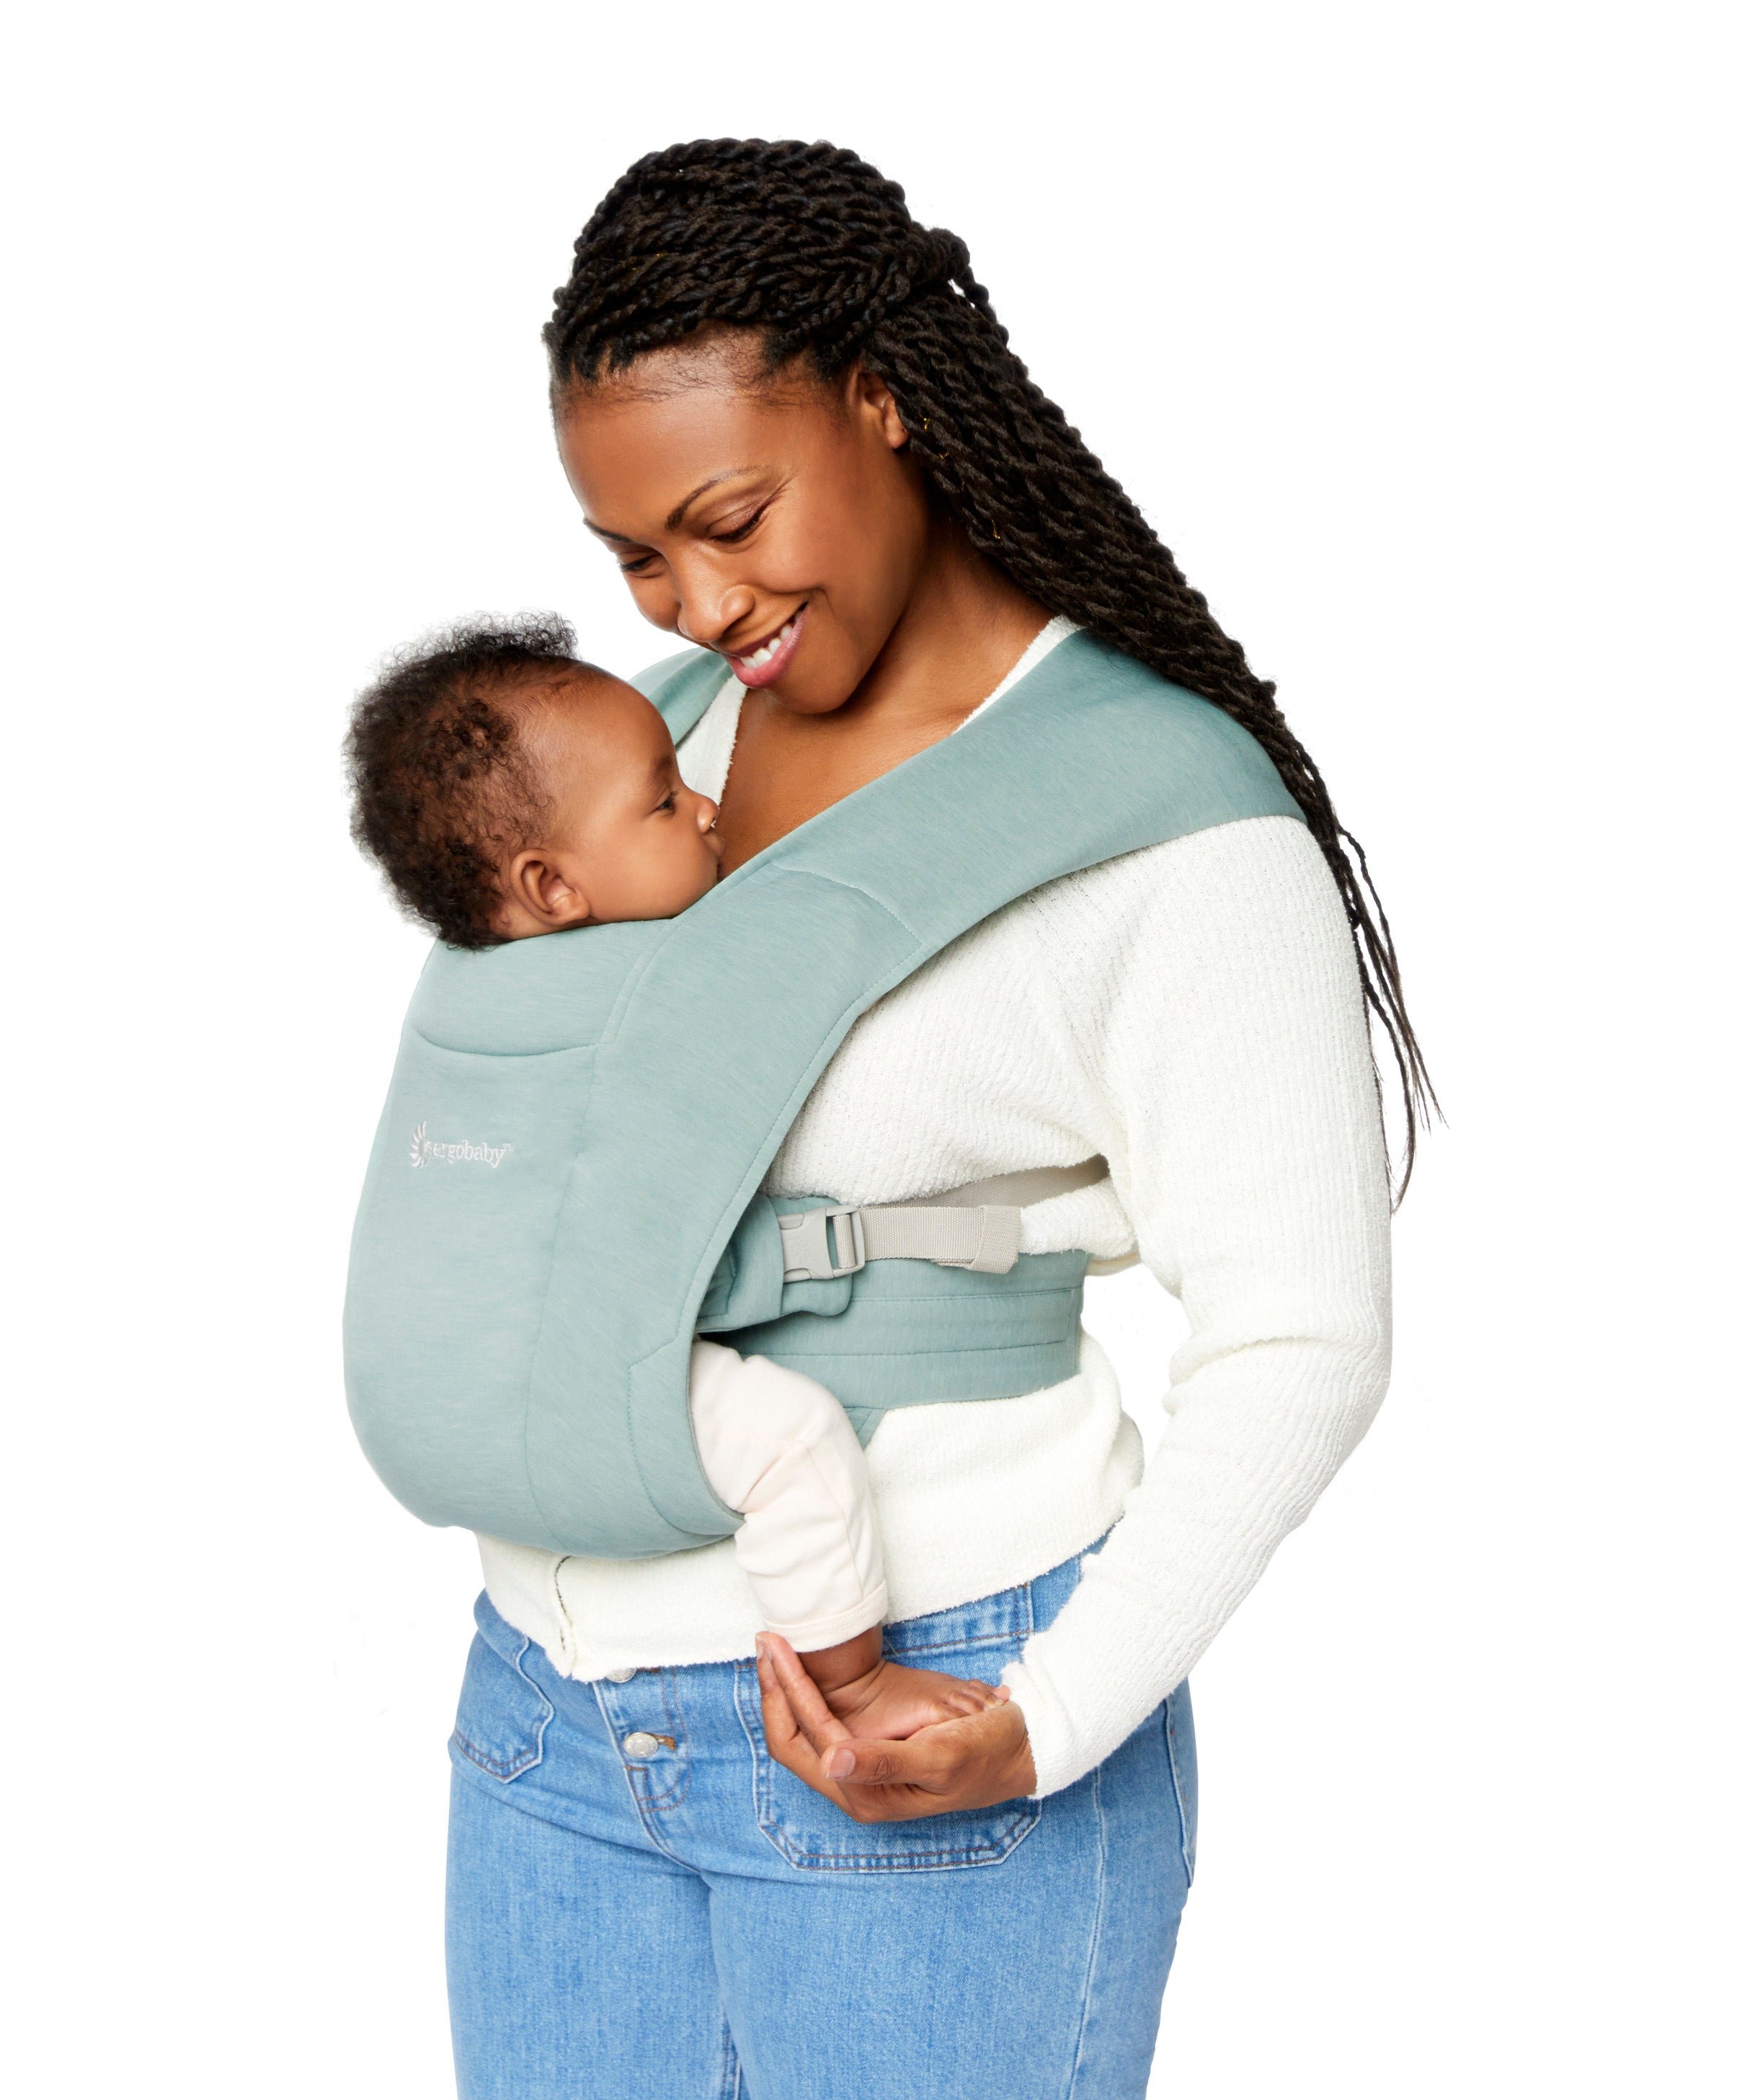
[815,248]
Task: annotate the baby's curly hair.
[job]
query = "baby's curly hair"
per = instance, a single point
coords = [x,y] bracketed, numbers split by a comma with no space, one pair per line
[443,790]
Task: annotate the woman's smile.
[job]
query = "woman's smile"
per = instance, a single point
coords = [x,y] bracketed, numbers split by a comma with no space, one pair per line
[768,661]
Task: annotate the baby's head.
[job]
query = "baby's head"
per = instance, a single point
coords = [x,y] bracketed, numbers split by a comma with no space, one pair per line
[505,788]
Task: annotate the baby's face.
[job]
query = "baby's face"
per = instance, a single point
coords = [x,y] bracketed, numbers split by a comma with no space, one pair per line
[629,839]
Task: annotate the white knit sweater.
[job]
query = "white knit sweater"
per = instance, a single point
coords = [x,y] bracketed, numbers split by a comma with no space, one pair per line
[1192,1012]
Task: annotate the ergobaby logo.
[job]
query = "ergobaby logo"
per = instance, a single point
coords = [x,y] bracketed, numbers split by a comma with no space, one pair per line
[424,1151]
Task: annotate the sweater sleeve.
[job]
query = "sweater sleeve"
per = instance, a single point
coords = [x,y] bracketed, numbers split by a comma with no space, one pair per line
[1227,1041]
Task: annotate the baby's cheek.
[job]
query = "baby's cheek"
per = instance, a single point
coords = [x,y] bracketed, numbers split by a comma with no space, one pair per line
[694,876]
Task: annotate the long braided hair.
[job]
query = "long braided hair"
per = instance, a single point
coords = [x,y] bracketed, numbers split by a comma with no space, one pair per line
[815,251]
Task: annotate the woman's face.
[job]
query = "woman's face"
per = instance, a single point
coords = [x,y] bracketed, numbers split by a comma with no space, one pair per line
[782,523]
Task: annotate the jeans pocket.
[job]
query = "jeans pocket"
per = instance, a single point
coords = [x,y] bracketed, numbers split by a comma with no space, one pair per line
[501,1719]
[972,1640]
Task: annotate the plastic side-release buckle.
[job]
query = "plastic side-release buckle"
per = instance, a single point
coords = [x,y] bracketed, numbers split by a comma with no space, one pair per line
[812,1249]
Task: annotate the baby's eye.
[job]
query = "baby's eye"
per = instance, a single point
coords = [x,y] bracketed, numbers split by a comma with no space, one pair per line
[666,807]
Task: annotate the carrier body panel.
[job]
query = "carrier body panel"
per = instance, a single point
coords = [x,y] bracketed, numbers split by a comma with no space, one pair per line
[565,1186]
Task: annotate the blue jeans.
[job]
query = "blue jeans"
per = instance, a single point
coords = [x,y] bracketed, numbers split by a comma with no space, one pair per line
[694,1922]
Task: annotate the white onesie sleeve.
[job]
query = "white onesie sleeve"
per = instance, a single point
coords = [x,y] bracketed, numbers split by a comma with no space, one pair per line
[781,1449]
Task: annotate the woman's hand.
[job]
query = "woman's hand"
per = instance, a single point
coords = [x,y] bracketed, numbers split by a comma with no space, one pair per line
[969,1763]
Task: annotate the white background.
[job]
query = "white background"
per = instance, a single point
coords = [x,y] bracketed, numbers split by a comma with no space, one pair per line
[1409,326]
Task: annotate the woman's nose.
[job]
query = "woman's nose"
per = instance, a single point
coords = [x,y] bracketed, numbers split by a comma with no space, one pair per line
[709,610]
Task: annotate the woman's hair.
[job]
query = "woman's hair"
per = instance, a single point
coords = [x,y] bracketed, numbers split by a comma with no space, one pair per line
[443,790]
[815,250]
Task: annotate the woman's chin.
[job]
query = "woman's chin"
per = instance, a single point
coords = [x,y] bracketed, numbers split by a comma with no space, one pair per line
[795,698]
[807,686]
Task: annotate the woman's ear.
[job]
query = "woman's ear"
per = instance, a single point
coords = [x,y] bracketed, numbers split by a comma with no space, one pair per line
[871,398]
[535,884]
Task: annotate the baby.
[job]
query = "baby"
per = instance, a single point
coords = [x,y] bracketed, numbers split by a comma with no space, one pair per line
[507,790]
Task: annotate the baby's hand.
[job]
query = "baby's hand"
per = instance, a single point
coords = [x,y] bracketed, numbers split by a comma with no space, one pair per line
[879,1698]
[893,1701]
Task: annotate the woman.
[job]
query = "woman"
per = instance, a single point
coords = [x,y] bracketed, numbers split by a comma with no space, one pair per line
[790,415]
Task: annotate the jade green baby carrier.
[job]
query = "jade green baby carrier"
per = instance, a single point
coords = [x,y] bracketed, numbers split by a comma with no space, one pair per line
[565,1187]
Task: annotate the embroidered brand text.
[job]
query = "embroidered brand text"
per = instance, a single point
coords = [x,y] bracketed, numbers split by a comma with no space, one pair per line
[426,1151]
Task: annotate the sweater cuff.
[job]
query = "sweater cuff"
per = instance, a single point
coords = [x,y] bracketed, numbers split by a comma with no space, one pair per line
[805,1636]
[1061,1757]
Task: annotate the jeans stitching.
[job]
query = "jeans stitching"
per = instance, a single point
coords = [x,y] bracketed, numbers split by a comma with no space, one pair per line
[1188,1842]
[941,1648]
[1016,1603]
[745,1671]
[1094,1938]
[728,2067]
[671,1795]
[675,1793]
[650,1830]
[991,1854]
[486,1763]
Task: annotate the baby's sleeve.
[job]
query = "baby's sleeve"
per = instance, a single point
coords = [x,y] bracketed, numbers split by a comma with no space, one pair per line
[779,1448]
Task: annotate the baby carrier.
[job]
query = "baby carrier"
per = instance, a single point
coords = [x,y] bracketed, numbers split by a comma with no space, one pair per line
[565,1187]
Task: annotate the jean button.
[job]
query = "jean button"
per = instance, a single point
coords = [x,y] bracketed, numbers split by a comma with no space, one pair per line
[639,1745]
[621,1676]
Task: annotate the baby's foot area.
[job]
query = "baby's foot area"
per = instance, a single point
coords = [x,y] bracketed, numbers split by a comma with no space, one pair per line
[893,1701]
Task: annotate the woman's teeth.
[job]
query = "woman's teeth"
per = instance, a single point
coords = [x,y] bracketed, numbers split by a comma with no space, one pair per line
[764,655]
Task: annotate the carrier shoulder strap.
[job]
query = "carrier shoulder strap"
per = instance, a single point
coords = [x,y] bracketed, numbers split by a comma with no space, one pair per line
[715,1043]
[682,687]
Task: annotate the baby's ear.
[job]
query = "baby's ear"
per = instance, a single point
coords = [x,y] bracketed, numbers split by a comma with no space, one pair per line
[536,886]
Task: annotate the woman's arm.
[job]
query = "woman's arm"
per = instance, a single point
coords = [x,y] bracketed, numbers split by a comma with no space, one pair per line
[1247,1145]
[1221,1028]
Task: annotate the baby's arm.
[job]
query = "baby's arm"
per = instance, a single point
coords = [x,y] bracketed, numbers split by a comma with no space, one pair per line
[779,1447]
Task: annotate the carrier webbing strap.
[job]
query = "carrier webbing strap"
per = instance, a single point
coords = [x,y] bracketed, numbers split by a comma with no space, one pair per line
[1029,1186]
[986,1237]
[819,1246]
[976,1227]
[957,1229]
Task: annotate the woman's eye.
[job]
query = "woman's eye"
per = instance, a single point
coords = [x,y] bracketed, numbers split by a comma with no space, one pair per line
[635,568]
[740,532]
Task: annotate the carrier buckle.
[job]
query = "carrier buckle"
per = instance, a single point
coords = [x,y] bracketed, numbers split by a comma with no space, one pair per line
[812,1247]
